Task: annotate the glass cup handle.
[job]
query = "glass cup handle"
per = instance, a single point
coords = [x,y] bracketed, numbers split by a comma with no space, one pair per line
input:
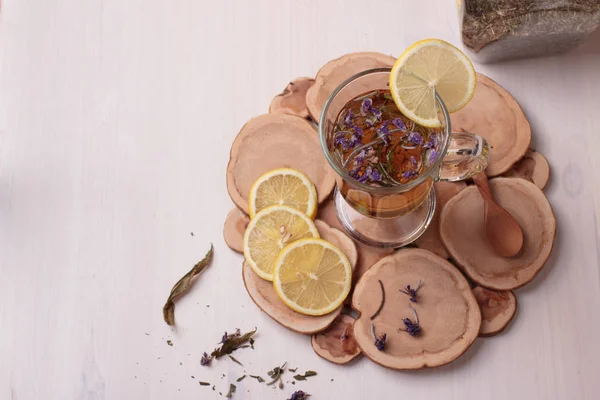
[467,155]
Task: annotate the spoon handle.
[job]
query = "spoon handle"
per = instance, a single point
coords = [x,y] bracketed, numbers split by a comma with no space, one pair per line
[482,183]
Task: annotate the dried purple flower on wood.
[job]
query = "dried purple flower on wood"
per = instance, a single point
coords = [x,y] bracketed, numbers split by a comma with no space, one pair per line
[379,342]
[412,292]
[206,359]
[415,138]
[413,328]
[398,123]
[299,395]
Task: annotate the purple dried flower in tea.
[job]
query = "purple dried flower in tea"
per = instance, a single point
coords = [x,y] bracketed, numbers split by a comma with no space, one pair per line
[415,138]
[348,119]
[409,174]
[398,123]
[365,106]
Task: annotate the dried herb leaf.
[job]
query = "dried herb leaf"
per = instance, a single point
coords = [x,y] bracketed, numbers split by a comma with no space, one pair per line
[183,285]
[241,378]
[204,383]
[170,343]
[292,369]
[231,390]
[258,378]
[232,343]
[276,373]
[306,375]
[235,360]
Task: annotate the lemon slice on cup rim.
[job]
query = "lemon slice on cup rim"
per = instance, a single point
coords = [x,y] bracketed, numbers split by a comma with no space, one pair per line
[427,67]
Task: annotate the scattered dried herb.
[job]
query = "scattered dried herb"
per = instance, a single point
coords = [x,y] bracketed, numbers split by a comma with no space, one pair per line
[231,390]
[251,341]
[412,292]
[170,343]
[275,374]
[378,341]
[241,378]
[299,395]
[258,378]
[204,383]
[306,375]
[292,369]
[413,328]
[206,359]
[235,360]
[230,343]
[382,301]
[183,285]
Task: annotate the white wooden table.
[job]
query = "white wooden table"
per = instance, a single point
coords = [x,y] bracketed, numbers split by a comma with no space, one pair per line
[116,119]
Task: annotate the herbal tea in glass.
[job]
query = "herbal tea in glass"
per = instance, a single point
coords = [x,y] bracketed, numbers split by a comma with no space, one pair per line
[378,146]
[387,163]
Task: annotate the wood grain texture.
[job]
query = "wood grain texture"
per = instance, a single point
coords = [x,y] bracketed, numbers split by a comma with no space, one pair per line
[116,120]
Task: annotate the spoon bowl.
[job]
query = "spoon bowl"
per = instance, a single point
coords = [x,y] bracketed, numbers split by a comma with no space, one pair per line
[501,229]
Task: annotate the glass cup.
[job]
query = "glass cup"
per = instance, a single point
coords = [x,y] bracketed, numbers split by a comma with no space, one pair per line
[395,216]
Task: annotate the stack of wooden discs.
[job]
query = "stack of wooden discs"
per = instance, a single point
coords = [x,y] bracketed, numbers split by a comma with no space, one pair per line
[466,289]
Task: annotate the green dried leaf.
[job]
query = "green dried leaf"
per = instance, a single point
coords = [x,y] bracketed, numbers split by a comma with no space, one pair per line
[183,285]
[231,390]
[235,360]
[276,373]
[241,378]
[292,369]
[170,342]
[204,383]
[306,375]
[233,343]
[258,378]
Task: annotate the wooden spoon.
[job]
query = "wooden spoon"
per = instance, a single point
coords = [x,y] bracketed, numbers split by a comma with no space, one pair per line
[502,230]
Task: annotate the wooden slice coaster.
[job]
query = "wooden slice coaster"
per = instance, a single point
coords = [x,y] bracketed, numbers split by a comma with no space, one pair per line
[264,296]
[340,239]
[272,141]
[337,71]
[494,114]
[447,311]
[337,344]
[430,239]
[367,256]
[533,167]
[234,228]
[463,235]
[497,310]
[293,98]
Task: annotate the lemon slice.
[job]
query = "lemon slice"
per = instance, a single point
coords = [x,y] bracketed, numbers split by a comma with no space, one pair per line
[283,186]
[312,276]
[426,67]
[269,232]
